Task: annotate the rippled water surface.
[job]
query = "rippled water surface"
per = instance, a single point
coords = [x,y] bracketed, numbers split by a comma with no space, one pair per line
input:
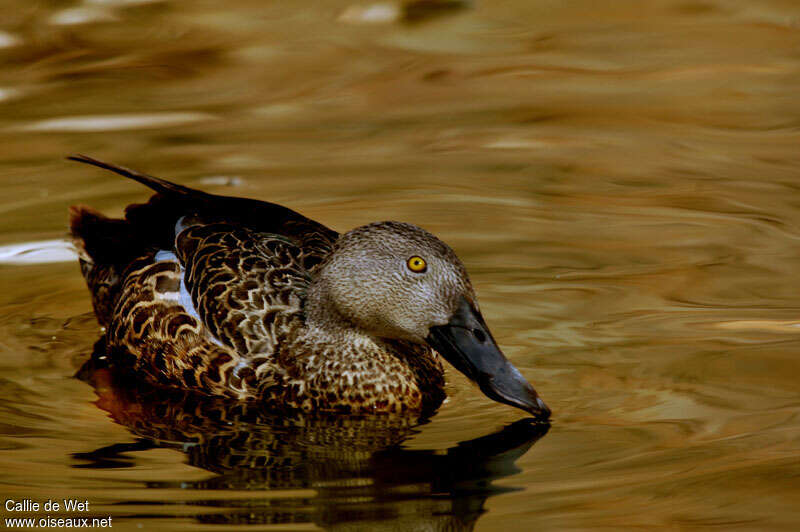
[622,180]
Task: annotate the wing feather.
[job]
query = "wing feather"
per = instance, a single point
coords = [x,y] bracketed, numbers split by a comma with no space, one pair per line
[248,287]
[204,309]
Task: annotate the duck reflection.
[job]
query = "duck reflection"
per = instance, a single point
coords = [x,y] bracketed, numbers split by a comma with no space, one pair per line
[361,477]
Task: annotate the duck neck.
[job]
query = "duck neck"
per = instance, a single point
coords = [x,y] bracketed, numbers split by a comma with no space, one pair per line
[326,324]
[381,374]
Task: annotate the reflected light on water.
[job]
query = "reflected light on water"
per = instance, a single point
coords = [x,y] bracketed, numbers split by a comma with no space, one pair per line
[620,180]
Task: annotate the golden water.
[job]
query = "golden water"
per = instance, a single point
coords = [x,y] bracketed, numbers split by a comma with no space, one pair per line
[621,179]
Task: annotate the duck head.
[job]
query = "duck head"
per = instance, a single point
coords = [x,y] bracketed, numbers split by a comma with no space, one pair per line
[397,281]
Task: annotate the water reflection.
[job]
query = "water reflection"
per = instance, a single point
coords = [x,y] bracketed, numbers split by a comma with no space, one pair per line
[620,178]
[360,474]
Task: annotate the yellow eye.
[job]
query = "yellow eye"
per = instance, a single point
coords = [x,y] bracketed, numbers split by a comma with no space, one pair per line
[417,264]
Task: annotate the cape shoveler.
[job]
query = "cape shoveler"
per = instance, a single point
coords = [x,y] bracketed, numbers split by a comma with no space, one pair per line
[251,300]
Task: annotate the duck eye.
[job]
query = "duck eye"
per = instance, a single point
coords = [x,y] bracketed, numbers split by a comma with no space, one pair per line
[417,264]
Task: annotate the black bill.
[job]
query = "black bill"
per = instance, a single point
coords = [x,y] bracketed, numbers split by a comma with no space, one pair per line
[468,345]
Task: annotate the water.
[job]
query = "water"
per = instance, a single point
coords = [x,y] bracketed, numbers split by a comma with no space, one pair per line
[621,182]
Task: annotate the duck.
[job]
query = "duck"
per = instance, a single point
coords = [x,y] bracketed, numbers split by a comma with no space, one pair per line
[252,301]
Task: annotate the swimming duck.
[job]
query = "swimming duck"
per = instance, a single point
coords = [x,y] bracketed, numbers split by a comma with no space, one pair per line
[241,298]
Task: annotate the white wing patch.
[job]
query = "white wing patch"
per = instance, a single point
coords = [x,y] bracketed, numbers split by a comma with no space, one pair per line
[165,256]
[182,297]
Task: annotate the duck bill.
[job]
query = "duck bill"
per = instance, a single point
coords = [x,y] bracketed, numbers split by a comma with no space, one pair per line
[465,342]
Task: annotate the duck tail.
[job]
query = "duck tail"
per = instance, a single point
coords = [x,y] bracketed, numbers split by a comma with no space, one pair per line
[146,226]
[104,247]
[100,239]
[159,185]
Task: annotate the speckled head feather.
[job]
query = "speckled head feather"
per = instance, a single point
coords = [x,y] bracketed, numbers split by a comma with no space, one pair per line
[366,281]
[251,300]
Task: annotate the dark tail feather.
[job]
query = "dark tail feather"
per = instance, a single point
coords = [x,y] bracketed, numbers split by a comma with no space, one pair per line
[159,185]
[146,226]
[100,239]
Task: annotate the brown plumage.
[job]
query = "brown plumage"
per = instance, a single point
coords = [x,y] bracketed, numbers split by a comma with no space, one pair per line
[251,300]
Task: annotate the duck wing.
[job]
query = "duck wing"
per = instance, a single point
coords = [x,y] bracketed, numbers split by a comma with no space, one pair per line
[242,266]
[247,287]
